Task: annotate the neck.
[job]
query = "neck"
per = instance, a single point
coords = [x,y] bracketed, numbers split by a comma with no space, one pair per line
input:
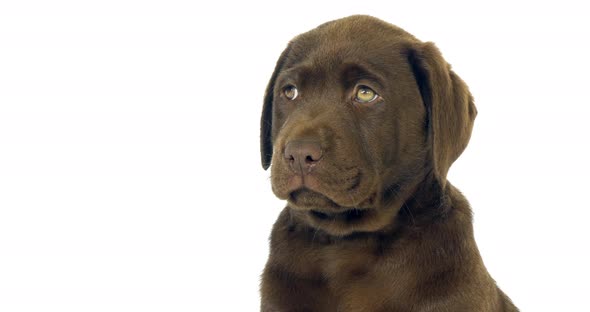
[428,202]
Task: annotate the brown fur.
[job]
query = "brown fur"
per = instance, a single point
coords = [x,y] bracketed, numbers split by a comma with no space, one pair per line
[373,225]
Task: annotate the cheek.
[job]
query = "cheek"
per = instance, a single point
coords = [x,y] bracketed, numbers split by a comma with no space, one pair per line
[278,120]
[394,135]
[409,140]
[375,137]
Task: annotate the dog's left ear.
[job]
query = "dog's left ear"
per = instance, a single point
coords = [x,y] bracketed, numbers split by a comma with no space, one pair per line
[449,103]
[266,119]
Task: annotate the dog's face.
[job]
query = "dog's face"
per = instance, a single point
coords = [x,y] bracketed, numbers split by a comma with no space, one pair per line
[349,122]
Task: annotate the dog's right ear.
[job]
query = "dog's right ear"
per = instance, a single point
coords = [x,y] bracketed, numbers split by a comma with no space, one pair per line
[266,139]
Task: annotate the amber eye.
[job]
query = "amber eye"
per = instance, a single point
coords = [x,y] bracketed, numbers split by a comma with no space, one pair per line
[365,94]
[290,92]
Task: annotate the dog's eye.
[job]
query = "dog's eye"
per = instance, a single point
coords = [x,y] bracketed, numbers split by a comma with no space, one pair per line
[365,94]
[290,92]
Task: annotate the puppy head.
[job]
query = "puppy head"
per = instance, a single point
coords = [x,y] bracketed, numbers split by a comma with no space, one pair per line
[356,114]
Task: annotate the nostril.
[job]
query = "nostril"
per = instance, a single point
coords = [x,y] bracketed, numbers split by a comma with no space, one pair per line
[302,154]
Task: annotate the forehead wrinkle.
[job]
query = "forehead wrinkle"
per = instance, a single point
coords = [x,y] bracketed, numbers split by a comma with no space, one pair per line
[354,71]
[294,73]
[310,74]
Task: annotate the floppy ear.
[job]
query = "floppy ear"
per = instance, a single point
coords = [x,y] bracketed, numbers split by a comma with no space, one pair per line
[449,103]
[266,119]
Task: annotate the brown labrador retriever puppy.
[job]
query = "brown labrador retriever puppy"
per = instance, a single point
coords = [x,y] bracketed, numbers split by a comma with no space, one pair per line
[362,122]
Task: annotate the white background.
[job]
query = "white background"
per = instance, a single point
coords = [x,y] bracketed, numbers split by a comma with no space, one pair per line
[130,177]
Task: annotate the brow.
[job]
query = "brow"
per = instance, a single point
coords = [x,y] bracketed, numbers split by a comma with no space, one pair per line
[354,72]
[299,73]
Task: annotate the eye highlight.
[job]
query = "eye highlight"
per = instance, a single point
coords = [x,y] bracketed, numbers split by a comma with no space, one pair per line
[290,92]
[365,94]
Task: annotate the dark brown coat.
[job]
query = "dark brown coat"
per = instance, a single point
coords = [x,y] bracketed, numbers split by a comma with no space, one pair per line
[362,121]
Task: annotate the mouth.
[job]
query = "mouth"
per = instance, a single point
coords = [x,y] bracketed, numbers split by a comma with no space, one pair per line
[312,191]
[348,216]
[322,212]
[321,207]
[305,199]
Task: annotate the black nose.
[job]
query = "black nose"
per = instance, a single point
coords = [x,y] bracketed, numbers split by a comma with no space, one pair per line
[303,156]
